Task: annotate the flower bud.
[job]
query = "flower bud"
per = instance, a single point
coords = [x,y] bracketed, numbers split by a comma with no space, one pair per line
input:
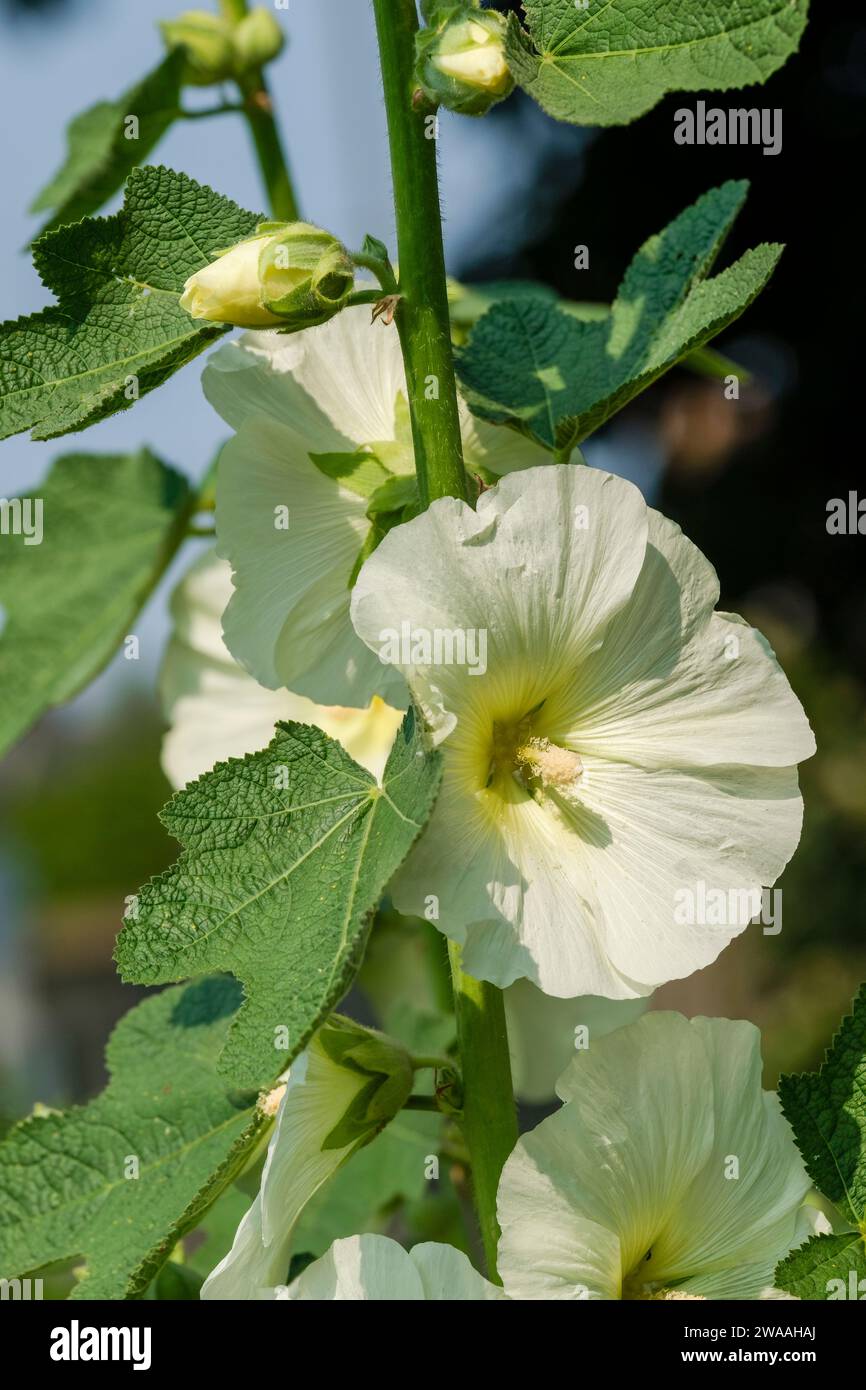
[306,275]
[290,275]
[461,60]
[258,39]
[383,1061]
[208,42]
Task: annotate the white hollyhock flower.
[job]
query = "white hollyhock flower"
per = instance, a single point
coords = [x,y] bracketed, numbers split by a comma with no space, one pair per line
[293,533]
[373,1268]
[215,710]
[617,755]
[667,1173]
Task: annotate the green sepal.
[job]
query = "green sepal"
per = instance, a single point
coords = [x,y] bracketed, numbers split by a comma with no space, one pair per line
[389,1067]
[206,40]
[306,276]
[257,40]
[372,246]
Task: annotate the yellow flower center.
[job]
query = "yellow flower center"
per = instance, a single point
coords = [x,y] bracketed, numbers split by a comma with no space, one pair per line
[534,761]
[637,1288]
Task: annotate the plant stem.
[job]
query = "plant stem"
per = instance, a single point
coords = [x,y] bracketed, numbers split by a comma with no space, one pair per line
[364,297]
[259,113]
[489,1119]
[381,269]
[422,315]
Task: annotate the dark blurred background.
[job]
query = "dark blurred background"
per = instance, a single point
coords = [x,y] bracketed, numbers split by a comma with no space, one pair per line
[749,481]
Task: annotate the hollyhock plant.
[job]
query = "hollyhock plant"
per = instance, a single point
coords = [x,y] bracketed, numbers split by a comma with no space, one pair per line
[619,741]
[458,739]
[667,1173]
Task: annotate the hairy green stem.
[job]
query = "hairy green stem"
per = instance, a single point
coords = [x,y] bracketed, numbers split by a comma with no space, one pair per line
[489,1118]
[259,113]
[422,314]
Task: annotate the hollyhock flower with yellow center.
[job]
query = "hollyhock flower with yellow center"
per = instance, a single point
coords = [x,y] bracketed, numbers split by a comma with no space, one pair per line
[610,742]
[321,463]
[667,1174]
[215,710]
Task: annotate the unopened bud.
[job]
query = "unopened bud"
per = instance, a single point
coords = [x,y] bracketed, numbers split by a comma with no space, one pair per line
[258,38]
[461,60]
[207,40]
[290,275]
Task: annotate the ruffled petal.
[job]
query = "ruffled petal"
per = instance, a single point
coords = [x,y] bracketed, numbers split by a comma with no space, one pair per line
[676,684]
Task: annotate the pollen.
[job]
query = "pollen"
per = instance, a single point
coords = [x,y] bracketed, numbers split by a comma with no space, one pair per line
[556,768]
[269,1103]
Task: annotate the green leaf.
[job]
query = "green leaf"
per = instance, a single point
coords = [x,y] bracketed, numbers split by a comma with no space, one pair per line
[558,377]
[826,1267]
[287,852]
[468,302]
[100,154]
[827,1111]
[117,331]
[64,1189]
[111,523]
[611,62]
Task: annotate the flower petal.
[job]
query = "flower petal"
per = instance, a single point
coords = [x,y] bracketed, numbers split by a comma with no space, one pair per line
[335,385]
[542,1033]
[373,1268]
[676,684]
[288,620]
